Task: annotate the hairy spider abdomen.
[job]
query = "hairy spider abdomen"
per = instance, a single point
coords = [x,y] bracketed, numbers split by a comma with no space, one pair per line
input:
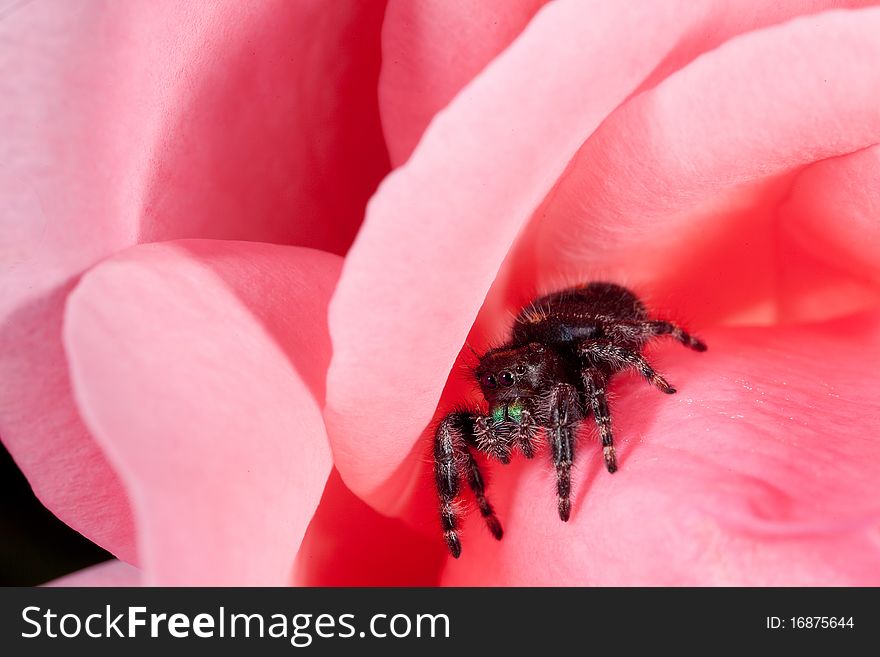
[577,314]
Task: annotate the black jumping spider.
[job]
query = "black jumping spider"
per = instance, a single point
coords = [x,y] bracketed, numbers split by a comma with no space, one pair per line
[548,377]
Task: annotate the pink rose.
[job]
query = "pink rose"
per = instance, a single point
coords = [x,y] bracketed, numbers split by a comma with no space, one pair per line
[219,411]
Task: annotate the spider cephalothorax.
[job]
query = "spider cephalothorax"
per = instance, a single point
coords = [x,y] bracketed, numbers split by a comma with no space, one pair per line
[550,375]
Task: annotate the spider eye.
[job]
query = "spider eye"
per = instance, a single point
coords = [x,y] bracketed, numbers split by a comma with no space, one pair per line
[506,378]
[520,369]
[488,381]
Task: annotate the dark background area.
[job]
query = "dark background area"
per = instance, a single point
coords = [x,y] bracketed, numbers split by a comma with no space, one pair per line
[35,546]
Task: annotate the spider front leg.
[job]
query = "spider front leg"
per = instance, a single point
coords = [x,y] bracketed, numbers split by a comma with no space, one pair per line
[451,455]
[565,414]
[605,353]
[594,383]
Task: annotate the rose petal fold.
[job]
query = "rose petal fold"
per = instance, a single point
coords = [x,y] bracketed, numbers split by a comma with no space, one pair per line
[829,238]
[764,469]
[199,366]
[430,50]
[682,185]
[137,121]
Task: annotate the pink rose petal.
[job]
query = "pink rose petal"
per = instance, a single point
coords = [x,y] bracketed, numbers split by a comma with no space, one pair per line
[199,368]
[350,544]
[430,50]
[681,185]
[439,227]
[139,120]
[109,573]
[279,115]
[764,469]
[829,237]
[727,18]
[42,430]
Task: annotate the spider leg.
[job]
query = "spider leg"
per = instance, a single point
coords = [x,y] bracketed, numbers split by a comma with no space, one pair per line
[475,481]
[594,382]
[652,328]
[526,434]
[451,455]
[448,443]
[605,352]
[565,414]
